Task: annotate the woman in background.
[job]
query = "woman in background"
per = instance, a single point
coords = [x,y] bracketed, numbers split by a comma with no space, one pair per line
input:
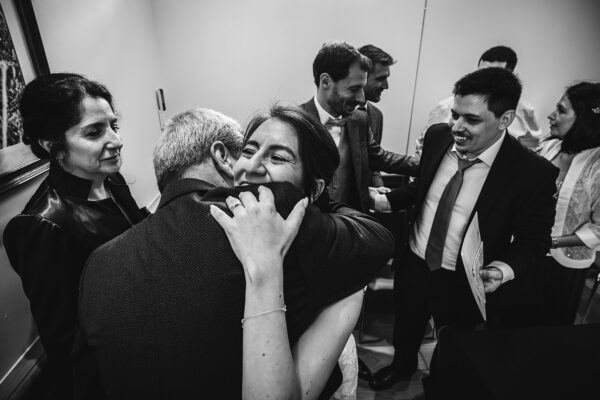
[575,150]
[84,202]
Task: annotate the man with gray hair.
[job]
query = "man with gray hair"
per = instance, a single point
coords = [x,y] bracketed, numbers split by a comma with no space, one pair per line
[198,143]
[160,305]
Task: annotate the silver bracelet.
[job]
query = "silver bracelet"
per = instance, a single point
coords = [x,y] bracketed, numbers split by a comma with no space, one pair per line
[284,309]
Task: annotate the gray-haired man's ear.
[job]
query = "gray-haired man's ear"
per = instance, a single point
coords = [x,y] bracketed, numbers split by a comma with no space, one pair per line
[222,159]
[320,187]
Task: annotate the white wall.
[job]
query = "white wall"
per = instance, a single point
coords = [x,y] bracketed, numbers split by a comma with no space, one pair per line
[239,56]
[556,41]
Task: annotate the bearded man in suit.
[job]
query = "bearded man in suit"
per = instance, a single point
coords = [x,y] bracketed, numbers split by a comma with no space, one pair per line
[472,167]
[340,74]
[377,82]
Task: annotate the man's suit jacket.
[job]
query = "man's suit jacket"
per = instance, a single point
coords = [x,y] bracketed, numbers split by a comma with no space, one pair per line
[375,118]
[160,306]
[515,207]
[367,154]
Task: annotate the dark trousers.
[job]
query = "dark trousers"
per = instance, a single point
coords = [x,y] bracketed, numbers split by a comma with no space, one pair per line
[561,291]
[419,294]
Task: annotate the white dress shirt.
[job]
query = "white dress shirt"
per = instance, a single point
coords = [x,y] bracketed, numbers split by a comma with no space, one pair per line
[473,179]
[334,131]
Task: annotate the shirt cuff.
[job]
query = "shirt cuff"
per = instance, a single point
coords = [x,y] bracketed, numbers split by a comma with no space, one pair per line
[381,203]
[507,272]
[588,237]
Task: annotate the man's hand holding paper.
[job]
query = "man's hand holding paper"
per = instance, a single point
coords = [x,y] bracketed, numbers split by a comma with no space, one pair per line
[491,277]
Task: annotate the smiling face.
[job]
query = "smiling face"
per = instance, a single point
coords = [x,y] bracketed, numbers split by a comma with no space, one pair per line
[93,145]
[377,82]
[270,155]
[475,127]
[562,118]
[345,94]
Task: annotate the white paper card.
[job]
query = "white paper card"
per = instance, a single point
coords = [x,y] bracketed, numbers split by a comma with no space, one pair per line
[472,256]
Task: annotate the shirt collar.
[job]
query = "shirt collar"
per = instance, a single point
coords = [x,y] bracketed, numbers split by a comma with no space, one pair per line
[181,187]
[323,115]
[489,155]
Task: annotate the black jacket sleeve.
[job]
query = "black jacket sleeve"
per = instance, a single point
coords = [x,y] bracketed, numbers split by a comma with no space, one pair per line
[49,263]
[342,250]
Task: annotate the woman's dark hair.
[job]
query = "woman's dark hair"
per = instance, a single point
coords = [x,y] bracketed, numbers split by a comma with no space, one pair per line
[317,150]
[585,132]
[50,105]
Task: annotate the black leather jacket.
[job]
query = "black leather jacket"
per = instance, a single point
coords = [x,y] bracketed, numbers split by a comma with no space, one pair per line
[48,244]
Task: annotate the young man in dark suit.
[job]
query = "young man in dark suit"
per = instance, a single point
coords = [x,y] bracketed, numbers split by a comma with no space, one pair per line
[377,82]
[340,74]
[471,167]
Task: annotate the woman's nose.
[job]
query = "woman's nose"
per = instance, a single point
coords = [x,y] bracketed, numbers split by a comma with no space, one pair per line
[114,140]
[255,166]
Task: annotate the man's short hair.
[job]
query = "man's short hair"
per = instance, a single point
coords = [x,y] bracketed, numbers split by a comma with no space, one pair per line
[499,86]
[500,54]
[376,55]
[187,139]
[335,59]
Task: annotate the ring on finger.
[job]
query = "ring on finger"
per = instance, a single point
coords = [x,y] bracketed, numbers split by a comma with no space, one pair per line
[232,203]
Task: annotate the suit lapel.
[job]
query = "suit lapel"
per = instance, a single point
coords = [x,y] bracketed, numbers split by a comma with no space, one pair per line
[375,121]
[498,179]
[354,138]
[431,163]
[311,108]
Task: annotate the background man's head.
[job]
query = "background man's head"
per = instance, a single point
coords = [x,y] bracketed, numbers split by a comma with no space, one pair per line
[377,80]
[484,106]
[498,56]
[340,73]
[198,143]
